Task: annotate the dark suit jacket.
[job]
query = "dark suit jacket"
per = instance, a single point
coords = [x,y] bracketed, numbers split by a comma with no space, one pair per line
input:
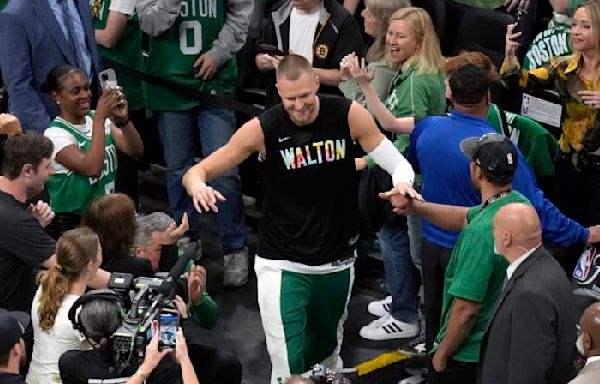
[532,334]
[31,44]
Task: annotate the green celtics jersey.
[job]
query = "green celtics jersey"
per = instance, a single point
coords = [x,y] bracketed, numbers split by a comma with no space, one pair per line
[173,53]
[535,142]
[72,192]
[3,4]
[127,51]
[553,42]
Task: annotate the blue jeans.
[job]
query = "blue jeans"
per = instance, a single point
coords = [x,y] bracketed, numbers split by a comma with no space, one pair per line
[400,272]
[215,126]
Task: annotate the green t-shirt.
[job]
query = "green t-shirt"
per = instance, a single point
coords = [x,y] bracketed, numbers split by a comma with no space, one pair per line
[535,142]
[475,273]
[72,192]
[3,4]
[127,51]
[173,53]
[418,96]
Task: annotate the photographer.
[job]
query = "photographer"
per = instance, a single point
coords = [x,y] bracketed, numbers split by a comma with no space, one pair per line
[98,318]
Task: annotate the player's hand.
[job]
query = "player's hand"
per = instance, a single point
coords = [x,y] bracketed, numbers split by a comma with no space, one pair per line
[153,355]
[42,212]
[9,124]
[401,203]
[181,349]
[407,190]
[196,283]
[206,67]
[590,98]
[174,232]
[205,198]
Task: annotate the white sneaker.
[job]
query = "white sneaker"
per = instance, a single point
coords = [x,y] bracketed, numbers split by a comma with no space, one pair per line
[235,268]
[389,329]
[380,307]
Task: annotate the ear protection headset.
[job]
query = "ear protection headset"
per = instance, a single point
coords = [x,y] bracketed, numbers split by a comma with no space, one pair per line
[98,294]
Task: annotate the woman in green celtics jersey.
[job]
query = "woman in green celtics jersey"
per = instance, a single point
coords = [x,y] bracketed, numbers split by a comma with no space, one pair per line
[85,144]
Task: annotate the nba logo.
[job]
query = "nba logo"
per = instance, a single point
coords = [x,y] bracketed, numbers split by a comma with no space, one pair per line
[582,270]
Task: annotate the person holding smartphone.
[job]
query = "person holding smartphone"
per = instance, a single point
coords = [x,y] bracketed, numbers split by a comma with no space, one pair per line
[85,144]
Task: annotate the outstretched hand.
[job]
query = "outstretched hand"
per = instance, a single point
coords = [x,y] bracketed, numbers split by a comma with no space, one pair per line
[402,198]
[206,198]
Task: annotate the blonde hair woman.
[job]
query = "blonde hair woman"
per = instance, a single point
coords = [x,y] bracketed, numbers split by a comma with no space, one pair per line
[576,78]
[376,15]
[417,91]
[78,256]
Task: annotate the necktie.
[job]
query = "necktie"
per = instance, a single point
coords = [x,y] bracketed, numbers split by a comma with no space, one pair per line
[71,33]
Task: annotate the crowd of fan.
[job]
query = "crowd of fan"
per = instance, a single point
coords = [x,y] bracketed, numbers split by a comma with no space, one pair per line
[473,228]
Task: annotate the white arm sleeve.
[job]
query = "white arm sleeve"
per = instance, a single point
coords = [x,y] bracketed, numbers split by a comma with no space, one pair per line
[388,158]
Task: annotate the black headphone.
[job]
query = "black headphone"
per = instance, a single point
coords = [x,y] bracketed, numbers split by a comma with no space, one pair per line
[98,294]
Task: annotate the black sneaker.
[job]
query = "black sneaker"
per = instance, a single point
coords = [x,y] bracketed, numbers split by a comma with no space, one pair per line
[415,347]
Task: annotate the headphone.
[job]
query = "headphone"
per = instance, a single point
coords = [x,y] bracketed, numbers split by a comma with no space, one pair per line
[98,294]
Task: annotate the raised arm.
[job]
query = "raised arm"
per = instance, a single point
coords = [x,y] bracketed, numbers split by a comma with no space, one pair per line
[381,150]
[364,78]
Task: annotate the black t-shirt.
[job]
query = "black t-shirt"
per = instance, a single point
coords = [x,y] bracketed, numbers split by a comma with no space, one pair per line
[11,378]
[310,211]
[24,246]
[83,367]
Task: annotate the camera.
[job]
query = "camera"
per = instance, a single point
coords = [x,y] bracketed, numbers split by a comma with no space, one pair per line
[144,299]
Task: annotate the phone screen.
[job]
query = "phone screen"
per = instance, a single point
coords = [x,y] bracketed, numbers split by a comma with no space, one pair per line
[167,327]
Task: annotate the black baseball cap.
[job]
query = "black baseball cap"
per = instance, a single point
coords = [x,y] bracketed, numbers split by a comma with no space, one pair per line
[493,152]
[12,327]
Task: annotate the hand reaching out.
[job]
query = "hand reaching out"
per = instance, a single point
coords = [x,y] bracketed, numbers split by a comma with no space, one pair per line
[205,198]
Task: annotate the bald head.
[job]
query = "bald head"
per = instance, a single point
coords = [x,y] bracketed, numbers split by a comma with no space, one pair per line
[590,330]
[517,229]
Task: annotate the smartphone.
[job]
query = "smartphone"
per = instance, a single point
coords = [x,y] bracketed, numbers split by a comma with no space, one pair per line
[521,13]
[271,50]
[167,328]
[108,79]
